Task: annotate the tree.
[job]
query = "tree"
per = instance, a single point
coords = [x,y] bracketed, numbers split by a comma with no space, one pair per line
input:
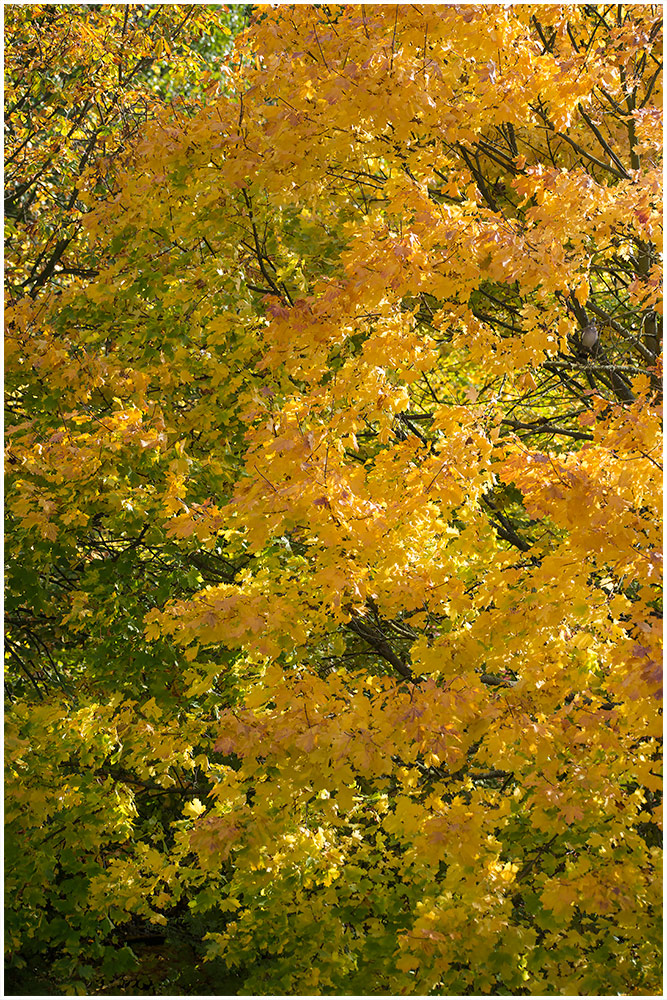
[335,507]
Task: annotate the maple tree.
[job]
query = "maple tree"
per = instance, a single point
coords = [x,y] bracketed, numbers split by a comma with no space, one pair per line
[333,479]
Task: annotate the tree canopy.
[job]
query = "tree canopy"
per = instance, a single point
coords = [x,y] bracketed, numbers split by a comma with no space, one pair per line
[333,442]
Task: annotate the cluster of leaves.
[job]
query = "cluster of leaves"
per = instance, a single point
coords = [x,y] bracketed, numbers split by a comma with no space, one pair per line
[333,496]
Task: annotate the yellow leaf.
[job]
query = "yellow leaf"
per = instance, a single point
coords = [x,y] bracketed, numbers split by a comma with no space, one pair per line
[194,808]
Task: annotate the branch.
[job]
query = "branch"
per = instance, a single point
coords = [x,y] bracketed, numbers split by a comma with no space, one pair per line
[547,428]
[59,250]
[506,529]
[381,646]
[493,680]
[603,142]
[646,354]
[260,256]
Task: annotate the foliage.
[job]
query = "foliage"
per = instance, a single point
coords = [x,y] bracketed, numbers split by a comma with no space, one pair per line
[332,501]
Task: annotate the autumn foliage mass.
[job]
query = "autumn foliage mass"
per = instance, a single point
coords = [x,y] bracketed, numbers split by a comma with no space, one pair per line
[333,609]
